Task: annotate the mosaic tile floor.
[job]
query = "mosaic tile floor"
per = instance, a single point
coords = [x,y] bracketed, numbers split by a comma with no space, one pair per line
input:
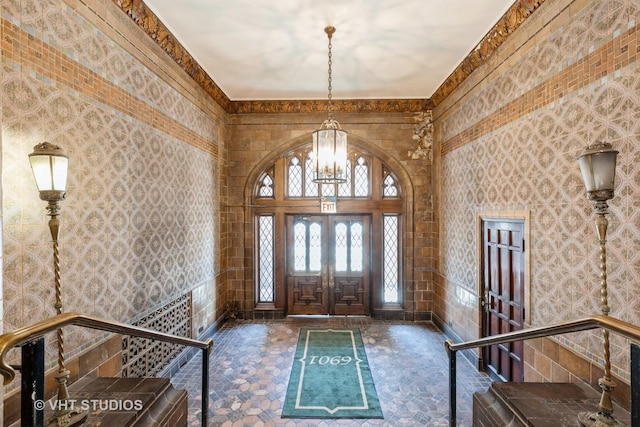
[251,361]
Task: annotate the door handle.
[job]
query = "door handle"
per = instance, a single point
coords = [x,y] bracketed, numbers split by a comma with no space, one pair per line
[485,300]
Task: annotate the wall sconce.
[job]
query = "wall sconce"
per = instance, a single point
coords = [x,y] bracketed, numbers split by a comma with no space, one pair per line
[598,167]
[50,165]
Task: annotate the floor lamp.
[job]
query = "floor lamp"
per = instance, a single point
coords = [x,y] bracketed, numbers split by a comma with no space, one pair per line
[598,167]
[50,164]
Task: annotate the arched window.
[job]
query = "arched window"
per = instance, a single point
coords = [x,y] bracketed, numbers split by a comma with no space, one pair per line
[389,186]
[265,184]
[299,176]
[299,246]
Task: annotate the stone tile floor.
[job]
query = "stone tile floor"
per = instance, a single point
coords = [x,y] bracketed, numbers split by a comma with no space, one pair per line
[251,361]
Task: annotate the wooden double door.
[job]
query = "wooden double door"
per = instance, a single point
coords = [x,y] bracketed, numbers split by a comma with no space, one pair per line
[328,264]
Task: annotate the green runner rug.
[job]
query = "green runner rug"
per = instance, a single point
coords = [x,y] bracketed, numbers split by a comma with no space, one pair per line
[330,377]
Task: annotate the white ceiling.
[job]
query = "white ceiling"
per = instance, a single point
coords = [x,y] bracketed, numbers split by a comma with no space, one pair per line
[277,49]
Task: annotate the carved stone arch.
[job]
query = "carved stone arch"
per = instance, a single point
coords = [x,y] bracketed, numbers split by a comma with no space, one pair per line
[404,181]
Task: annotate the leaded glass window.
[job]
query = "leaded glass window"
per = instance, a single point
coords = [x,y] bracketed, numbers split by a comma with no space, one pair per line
[265,185]
[295,177]
[266,259]
[328,190]
[390,262]
[310,187]
[315,246]
[300,247]
[340,239]
[361,178]
[389,187]
[349,246]
[307,246]
[344,189]
[357,246]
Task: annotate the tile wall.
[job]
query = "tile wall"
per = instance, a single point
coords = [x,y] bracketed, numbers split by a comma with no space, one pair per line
[509,137]
[142,210]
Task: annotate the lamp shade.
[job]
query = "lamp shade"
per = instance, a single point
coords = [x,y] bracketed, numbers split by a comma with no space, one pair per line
[330,154]
[50,165]
[598,167]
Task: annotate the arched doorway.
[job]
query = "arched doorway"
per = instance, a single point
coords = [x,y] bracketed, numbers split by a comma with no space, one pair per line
[347,261]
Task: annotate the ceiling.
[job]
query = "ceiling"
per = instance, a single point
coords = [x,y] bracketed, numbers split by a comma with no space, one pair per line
[278,50]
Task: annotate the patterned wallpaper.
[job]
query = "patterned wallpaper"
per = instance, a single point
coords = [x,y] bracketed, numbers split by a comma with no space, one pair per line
[527,161]
[141,213]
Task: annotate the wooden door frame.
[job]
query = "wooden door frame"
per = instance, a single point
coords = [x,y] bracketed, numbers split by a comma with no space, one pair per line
[329,220]
[519,215]
[279,205]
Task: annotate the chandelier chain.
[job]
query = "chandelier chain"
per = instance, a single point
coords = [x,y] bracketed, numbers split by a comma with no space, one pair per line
[329,31]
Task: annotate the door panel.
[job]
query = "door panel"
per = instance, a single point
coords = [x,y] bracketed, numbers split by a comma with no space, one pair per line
[307,286]
[328,264]
[350,293]
[503,260]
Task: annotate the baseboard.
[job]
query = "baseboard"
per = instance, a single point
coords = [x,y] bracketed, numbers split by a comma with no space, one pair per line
[469,354]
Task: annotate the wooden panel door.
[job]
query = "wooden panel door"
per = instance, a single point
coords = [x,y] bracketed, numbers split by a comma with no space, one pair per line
[307,279]
[349,267]
[503,261]
[328,264]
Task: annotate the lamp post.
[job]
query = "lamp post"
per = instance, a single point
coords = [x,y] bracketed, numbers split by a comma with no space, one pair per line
[50,165]
[598,167]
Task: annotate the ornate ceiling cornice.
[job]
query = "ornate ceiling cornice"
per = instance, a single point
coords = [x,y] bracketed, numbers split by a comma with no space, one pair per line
[342,106]
[509,22]
[149,22]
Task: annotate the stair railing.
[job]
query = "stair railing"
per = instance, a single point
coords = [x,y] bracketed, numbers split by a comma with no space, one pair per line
[609,323]
[31,337]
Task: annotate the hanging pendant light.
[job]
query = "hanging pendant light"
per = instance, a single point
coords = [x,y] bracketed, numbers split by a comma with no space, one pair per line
[330,142]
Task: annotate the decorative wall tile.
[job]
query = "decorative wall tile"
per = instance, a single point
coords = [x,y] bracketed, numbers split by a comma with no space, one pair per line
[137,225]
[529,161]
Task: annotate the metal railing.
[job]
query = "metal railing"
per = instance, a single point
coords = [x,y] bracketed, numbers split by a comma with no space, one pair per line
[35,332]
[611,324]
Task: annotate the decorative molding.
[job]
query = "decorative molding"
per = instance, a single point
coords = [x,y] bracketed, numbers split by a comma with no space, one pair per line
[509,22]
[423,133]
[340,106]
[150,24]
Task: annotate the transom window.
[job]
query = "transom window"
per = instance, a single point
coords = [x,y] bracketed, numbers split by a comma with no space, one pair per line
[369,249]
[300,175]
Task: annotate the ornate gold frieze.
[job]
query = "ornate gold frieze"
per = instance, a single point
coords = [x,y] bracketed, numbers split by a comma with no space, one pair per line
[509,22]
[149,22]
[341,106]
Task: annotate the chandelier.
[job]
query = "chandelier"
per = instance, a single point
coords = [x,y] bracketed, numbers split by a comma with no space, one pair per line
[330,142]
